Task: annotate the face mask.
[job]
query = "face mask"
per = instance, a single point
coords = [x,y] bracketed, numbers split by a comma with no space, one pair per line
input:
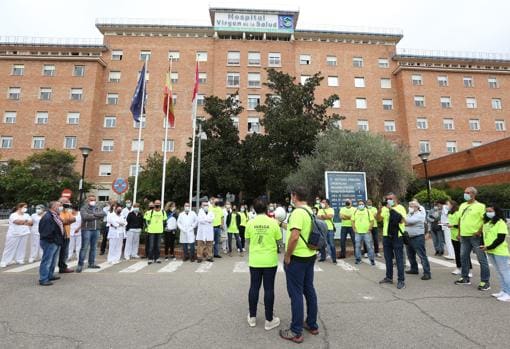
[206,209]
[92,203]
[411,210]
[369,206]
[467,196]
[151,207]
[157,206]
[391,203]
[347,203]
[186,208]
[323,206]
[317,201]
[128,205]
[119,211]
[490,215]
[136,209]
[60,209]
[243,209]
[24,210]
[289,209]
[38,211]
[271,209]
[361,207]
[445,209]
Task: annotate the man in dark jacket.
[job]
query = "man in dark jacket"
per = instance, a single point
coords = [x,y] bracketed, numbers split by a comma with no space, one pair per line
[91,218]
[51,231]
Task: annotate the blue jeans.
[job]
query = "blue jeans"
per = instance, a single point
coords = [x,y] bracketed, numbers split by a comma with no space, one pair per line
[331,246]
[343,236]
[375,238]
[367,239]
[189,250]
[217,241]
[503,270]
[48,260]
[238,241]
[88,239]
[394,248]
[257,277]
[299,277]
[417,247]
[468,244]
[438,239]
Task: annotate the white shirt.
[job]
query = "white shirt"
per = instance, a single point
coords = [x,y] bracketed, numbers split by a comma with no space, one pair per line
[117,225]
[171,223]
[187,222]
[34,229]
[16,229]
[76,226]
[205,228]
[125,212]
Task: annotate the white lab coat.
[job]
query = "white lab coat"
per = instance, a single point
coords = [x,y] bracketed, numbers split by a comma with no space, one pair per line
[116,233]
[35,244]
[205,228]
[16,240]
[187,222]
[75,237]
[125,212]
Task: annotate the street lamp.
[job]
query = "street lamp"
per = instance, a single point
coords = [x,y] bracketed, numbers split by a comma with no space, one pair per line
[201,136]
[85,151]
[424,158]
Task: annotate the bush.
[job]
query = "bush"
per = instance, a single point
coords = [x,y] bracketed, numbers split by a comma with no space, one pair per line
[498,194]
[435,195]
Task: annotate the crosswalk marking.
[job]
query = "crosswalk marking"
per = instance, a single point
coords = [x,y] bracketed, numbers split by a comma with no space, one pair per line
[378,265]
[24,268]
[241,267]
[346,266]
[409,264]
[134,267]
[171,267]
[442,262]
[103,266]
[204,267]
[316,268]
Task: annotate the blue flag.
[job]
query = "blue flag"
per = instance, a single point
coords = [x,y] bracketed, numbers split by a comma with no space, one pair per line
[136,102]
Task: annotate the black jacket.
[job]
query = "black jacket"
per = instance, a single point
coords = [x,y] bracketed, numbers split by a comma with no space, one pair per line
[49,230]
[229,219]
[134,221]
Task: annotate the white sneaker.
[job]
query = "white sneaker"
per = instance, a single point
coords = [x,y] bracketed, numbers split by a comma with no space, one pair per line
[449,257]
[136,256]
[31,260]
[456,272]
[504,298]
[272,324]
[127,258]
[21,263]
[378,255]
[365,255]
[470,274]
[244,250]
[499,294]
[3,265]
[252,321]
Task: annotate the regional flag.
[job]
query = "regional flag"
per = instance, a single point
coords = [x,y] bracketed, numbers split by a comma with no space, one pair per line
[195,88]
[168,102]
[138,101]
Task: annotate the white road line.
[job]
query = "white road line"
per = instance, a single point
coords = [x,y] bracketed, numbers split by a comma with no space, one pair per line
[103,266]
[378,265]
[204,267]
[134,267]
[409,264]
[171,267]
[442,262]
[316,268]
[24,268]
[346,266]
[475,262]
[241,267]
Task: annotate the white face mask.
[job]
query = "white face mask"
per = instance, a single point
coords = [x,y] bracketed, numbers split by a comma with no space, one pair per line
[136,209]
[243,209]
[24,210]
[92,203]
[205,208]
[411,210]
[323,206]
[490,215]
[186,208]
[60,209]
[38,211]
[361,207]
[128,205]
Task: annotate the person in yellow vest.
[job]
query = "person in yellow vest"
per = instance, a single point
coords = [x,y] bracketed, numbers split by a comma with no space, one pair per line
[362,223]
[326,213]
[346,215]
[375,231]
[299,264]
[495,232]
[218,223]
[233,223]
[155,220]
[472,214]
[242,227]
[263,234]
[393,216]
[453,224]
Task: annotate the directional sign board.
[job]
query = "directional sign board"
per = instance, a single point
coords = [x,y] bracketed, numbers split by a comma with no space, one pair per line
[341,186]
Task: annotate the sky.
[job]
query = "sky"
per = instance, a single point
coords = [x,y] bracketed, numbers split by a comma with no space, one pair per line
[454,25]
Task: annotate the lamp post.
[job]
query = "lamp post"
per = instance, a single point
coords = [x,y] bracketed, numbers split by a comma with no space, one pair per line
[85,151]
[424,156]
[201,136]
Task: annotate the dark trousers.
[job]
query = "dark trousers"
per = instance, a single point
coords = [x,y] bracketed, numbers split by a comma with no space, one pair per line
[153,243]
[188,250]
[169,238]
[343,236]
[63,254]
[104,239]
[417,247]
[238,241]
[257,277]
[456,248]
[299,277]
[242,236]
[375,239]
[394,248]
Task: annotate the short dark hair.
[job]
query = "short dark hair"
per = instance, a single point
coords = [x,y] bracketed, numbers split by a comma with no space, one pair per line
[327,201]
[499,214]
[260,205]
[300,191]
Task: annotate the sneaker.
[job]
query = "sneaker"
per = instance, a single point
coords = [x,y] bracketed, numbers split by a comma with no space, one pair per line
[45,283]
[94,266]
[127,258]
[31,260]
[166,259]
[385,281]
[504,298]
[378,255]
[449,257]
[199,260]
[426,277]
[272,324]
[401,285]
[217,256]
[136,256]
[412,272]
[252,321]
[484,286]
[149,262]
[244,250]
[357,262]
[463,281]
[157,261]
[20,263]
[79,269]
[3,265]
[365,255]
[372,262]
[291,336]
[312,331]
[499,294]
[457,272]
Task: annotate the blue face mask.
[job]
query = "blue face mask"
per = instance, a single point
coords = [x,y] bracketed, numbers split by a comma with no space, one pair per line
[467,196]
[361,207]
[391,203]
[490,215]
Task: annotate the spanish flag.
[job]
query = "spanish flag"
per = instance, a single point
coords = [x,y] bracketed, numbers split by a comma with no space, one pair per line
[168,102]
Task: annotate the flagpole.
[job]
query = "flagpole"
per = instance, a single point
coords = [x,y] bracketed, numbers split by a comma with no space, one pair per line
[193,117]
[135,189]
[163,180]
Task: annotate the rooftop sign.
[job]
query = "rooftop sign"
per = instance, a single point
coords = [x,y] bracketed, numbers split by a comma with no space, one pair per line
[254,22]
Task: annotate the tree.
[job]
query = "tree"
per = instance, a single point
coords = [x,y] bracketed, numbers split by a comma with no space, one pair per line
[39,178]
[386,164]
[435,195]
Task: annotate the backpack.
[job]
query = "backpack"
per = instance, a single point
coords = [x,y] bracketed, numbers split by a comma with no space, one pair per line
[317,239]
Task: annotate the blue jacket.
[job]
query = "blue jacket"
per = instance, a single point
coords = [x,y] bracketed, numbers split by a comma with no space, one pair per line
[49,230]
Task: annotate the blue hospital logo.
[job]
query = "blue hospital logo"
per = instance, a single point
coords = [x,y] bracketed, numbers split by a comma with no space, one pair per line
[285,22]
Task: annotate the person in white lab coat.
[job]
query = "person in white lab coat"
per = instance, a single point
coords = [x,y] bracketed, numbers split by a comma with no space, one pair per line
[127,209]
[187,222]
[205,233]
[17,236]
[116,233]
[450,252]
[75,235]
[35,247]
